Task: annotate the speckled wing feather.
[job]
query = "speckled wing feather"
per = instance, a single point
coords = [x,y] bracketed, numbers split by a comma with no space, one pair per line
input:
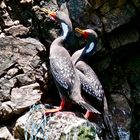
[90,86]
[63,71]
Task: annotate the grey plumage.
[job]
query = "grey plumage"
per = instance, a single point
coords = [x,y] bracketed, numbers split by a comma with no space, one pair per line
[71,73]
[62,68]
[88,78]
[65,74]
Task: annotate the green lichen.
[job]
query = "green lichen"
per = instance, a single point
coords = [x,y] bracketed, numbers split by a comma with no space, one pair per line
[80,133]
[86,133]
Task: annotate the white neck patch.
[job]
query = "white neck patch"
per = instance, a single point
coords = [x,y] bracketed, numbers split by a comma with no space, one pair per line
[90,48]
[65,29]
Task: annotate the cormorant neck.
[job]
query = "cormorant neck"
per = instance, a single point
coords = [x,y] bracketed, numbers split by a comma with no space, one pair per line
[84,53]
[65,29]
[90,47]
[60,40]
[77,56]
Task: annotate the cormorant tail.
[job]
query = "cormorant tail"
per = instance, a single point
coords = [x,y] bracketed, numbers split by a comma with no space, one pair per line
[88,107]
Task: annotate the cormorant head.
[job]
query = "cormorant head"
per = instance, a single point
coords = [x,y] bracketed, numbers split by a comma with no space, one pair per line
[52,14]
[91,37]
[87,34]
[59,16]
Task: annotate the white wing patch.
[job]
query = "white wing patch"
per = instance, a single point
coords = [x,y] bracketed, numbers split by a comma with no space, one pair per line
[91,46]
[65,29]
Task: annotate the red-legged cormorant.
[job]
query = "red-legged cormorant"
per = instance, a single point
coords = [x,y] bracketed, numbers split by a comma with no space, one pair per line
[88,79]
[64,73]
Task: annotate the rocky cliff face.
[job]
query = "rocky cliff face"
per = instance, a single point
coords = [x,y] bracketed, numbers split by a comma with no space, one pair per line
[25,37]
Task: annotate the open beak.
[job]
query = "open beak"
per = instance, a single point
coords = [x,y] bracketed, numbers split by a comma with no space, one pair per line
[83,33]
[44,10]
[52,14]
[80,31]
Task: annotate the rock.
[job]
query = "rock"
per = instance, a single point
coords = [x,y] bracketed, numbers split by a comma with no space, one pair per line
[102,64]
[47,32]
[18,30]
[21,60]
[118,17]
[95,23]
[121,113]
[2,5]
[5,134]
[109,5]
[2,35]
[5,89]
[115,82]
[12,72]
[18,56]
[136,3]
[21,98]
[26,1]
[25,79]
[126,36]
[20,51]
[74,11]
[51,5]
[63,125]
[7,19]
[97,3]
[6,63]
[132,70]
[25,96]
[7,110]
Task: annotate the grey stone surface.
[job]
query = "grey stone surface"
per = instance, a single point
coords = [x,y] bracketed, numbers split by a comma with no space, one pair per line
[133,72]
[117,17]
[116,62]
[59,126]
[7,111]
[17,56]
[5,134]
[127,36]
[121,113]
[76,12]
[17,30]
[20,100]
[5,89]
[109,5]
[26,96]
[97,3]
[136,3]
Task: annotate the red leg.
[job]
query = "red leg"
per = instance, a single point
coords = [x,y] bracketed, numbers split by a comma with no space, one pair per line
[90,116]
[87,115]
[61,107]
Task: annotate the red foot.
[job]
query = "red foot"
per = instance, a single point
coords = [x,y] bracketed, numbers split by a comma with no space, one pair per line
[90,116]
[87,115]
[48,111]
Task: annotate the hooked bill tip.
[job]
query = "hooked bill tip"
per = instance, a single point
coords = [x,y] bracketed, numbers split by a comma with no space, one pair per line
[79,30]
[52,14]
[45,10]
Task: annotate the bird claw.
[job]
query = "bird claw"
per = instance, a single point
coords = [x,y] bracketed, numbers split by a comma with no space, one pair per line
[86,116]
[54,110]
